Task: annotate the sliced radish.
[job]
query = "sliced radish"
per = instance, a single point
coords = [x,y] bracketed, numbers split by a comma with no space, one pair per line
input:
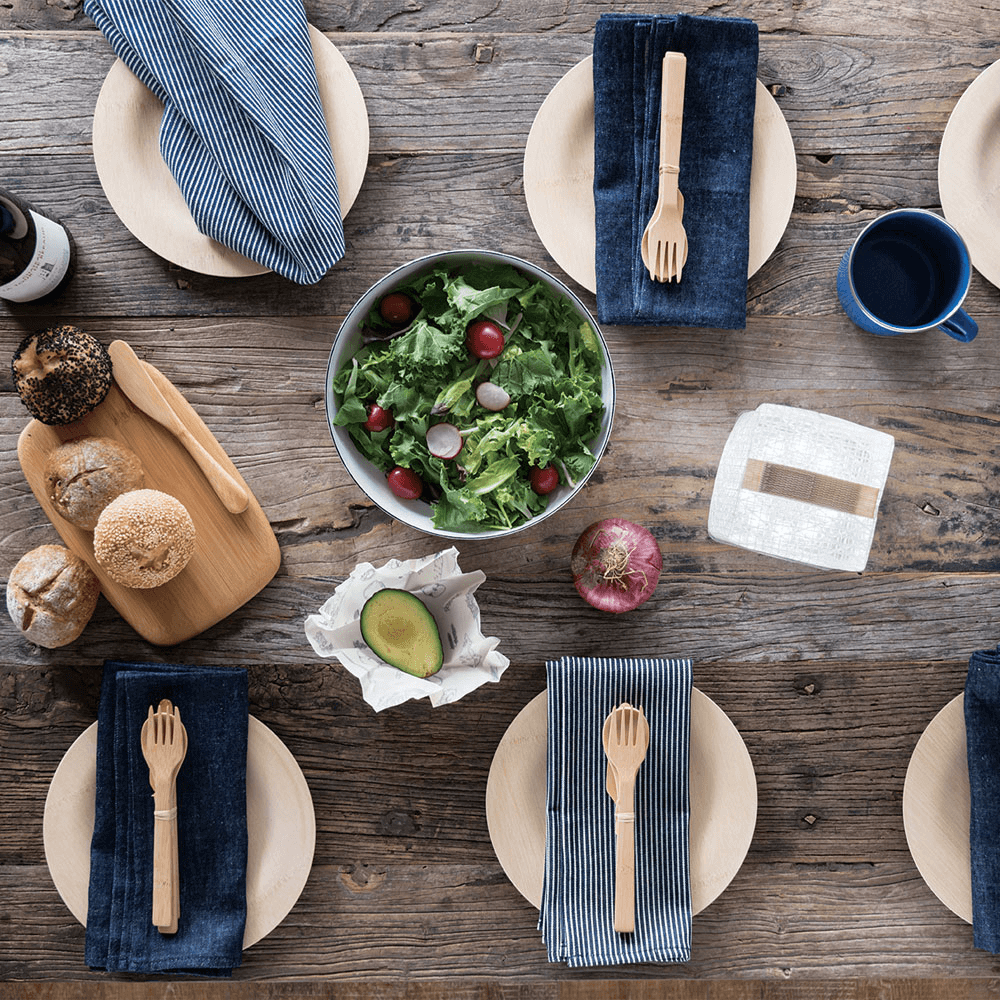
[491,396]
[444,440]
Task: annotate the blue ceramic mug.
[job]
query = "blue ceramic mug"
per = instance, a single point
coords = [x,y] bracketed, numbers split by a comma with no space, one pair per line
[909,270]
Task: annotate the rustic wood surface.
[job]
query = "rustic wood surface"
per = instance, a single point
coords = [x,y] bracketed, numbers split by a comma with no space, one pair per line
[830,677]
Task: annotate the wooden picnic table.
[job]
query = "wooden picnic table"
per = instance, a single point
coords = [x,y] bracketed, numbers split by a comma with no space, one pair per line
[830,677]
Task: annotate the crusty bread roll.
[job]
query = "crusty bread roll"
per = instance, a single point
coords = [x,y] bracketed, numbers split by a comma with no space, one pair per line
[84,475]
[144,538]
[61,374]
[51,594]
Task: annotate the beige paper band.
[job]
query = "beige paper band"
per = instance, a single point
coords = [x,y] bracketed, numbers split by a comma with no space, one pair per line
[810,487]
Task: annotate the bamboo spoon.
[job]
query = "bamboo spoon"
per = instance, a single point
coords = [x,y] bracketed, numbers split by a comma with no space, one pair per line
[627,744]
[164,745]
[664,243]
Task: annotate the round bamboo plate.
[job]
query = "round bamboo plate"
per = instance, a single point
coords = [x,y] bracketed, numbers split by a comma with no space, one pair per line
[281,828]
[723,800]
[936,809]
[559,175]
[144,194]
[969,172]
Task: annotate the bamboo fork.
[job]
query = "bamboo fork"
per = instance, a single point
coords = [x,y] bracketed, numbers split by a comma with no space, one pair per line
[664,242]
[164,745]
[626,734]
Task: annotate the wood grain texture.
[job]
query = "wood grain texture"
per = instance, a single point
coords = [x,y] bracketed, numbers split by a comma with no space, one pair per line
[451,989]
[830,678]
[475,16]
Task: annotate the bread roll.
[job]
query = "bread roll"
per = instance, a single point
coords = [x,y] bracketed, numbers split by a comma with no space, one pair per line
[144,538]
[84,475]
[51,594]
[61,374]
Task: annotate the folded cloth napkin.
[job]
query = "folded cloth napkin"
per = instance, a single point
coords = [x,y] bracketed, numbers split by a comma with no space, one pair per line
[982,729]
[716,150]
[211,818]
[243,130]
[576,918]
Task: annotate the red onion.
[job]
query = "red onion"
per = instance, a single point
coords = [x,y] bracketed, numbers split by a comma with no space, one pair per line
[616,564]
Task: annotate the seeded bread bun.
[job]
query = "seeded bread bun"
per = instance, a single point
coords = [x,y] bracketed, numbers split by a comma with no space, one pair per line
[61,374]
[84,475]
[144,538]
[51,594]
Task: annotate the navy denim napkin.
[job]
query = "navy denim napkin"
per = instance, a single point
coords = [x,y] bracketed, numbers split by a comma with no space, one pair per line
[576,917]
[716,151]
[243,130]
[982,729]
[211,817]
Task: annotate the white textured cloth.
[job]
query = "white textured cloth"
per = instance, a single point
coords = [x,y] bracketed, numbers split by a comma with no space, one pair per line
[789,528]
[243,130]
[576,918]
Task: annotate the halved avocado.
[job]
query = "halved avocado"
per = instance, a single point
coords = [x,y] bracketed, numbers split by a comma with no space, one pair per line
[399,629]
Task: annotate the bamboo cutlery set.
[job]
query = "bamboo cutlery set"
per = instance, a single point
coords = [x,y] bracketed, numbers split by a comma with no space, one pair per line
[664,242]
[626,741]
[164,746]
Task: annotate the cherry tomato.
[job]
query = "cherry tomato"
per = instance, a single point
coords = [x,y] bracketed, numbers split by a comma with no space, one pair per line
[484,338]
[544,480]
[405,483]
[396,308]
[378,419]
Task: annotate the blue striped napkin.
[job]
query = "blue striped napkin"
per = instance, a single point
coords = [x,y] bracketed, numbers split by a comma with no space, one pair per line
[576,918]
[243,130]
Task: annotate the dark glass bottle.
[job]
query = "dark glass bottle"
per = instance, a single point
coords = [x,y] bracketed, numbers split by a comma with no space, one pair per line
[36,252]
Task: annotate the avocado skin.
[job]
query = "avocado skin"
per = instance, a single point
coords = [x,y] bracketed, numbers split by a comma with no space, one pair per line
[400,630]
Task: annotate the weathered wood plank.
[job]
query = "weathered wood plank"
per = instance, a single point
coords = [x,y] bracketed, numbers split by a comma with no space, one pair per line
[493,989]
[759,619]
[474,17]
[411,206]
[427,921]
[383,989]
[836,95]
[830,743]
[440,92]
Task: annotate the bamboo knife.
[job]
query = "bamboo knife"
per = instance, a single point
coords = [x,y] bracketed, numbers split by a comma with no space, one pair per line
[139,387]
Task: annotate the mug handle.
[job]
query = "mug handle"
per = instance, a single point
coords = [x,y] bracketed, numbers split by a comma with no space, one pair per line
[961,326]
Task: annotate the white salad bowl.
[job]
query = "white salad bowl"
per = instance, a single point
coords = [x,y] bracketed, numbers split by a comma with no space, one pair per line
[416,513]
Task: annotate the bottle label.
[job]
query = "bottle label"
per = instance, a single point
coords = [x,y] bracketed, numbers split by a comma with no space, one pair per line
[47,267]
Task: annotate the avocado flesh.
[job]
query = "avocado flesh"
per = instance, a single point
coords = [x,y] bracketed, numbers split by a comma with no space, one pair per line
[400,630]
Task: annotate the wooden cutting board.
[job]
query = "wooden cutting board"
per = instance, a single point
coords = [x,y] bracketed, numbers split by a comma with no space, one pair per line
[235,555]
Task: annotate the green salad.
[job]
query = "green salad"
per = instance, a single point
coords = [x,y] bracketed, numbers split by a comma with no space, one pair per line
[477,391]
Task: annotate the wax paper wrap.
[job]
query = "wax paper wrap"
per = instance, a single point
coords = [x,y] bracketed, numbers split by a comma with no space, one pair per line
[470,658]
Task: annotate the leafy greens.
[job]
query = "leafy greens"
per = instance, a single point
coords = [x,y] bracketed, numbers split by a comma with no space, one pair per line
[550,365]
